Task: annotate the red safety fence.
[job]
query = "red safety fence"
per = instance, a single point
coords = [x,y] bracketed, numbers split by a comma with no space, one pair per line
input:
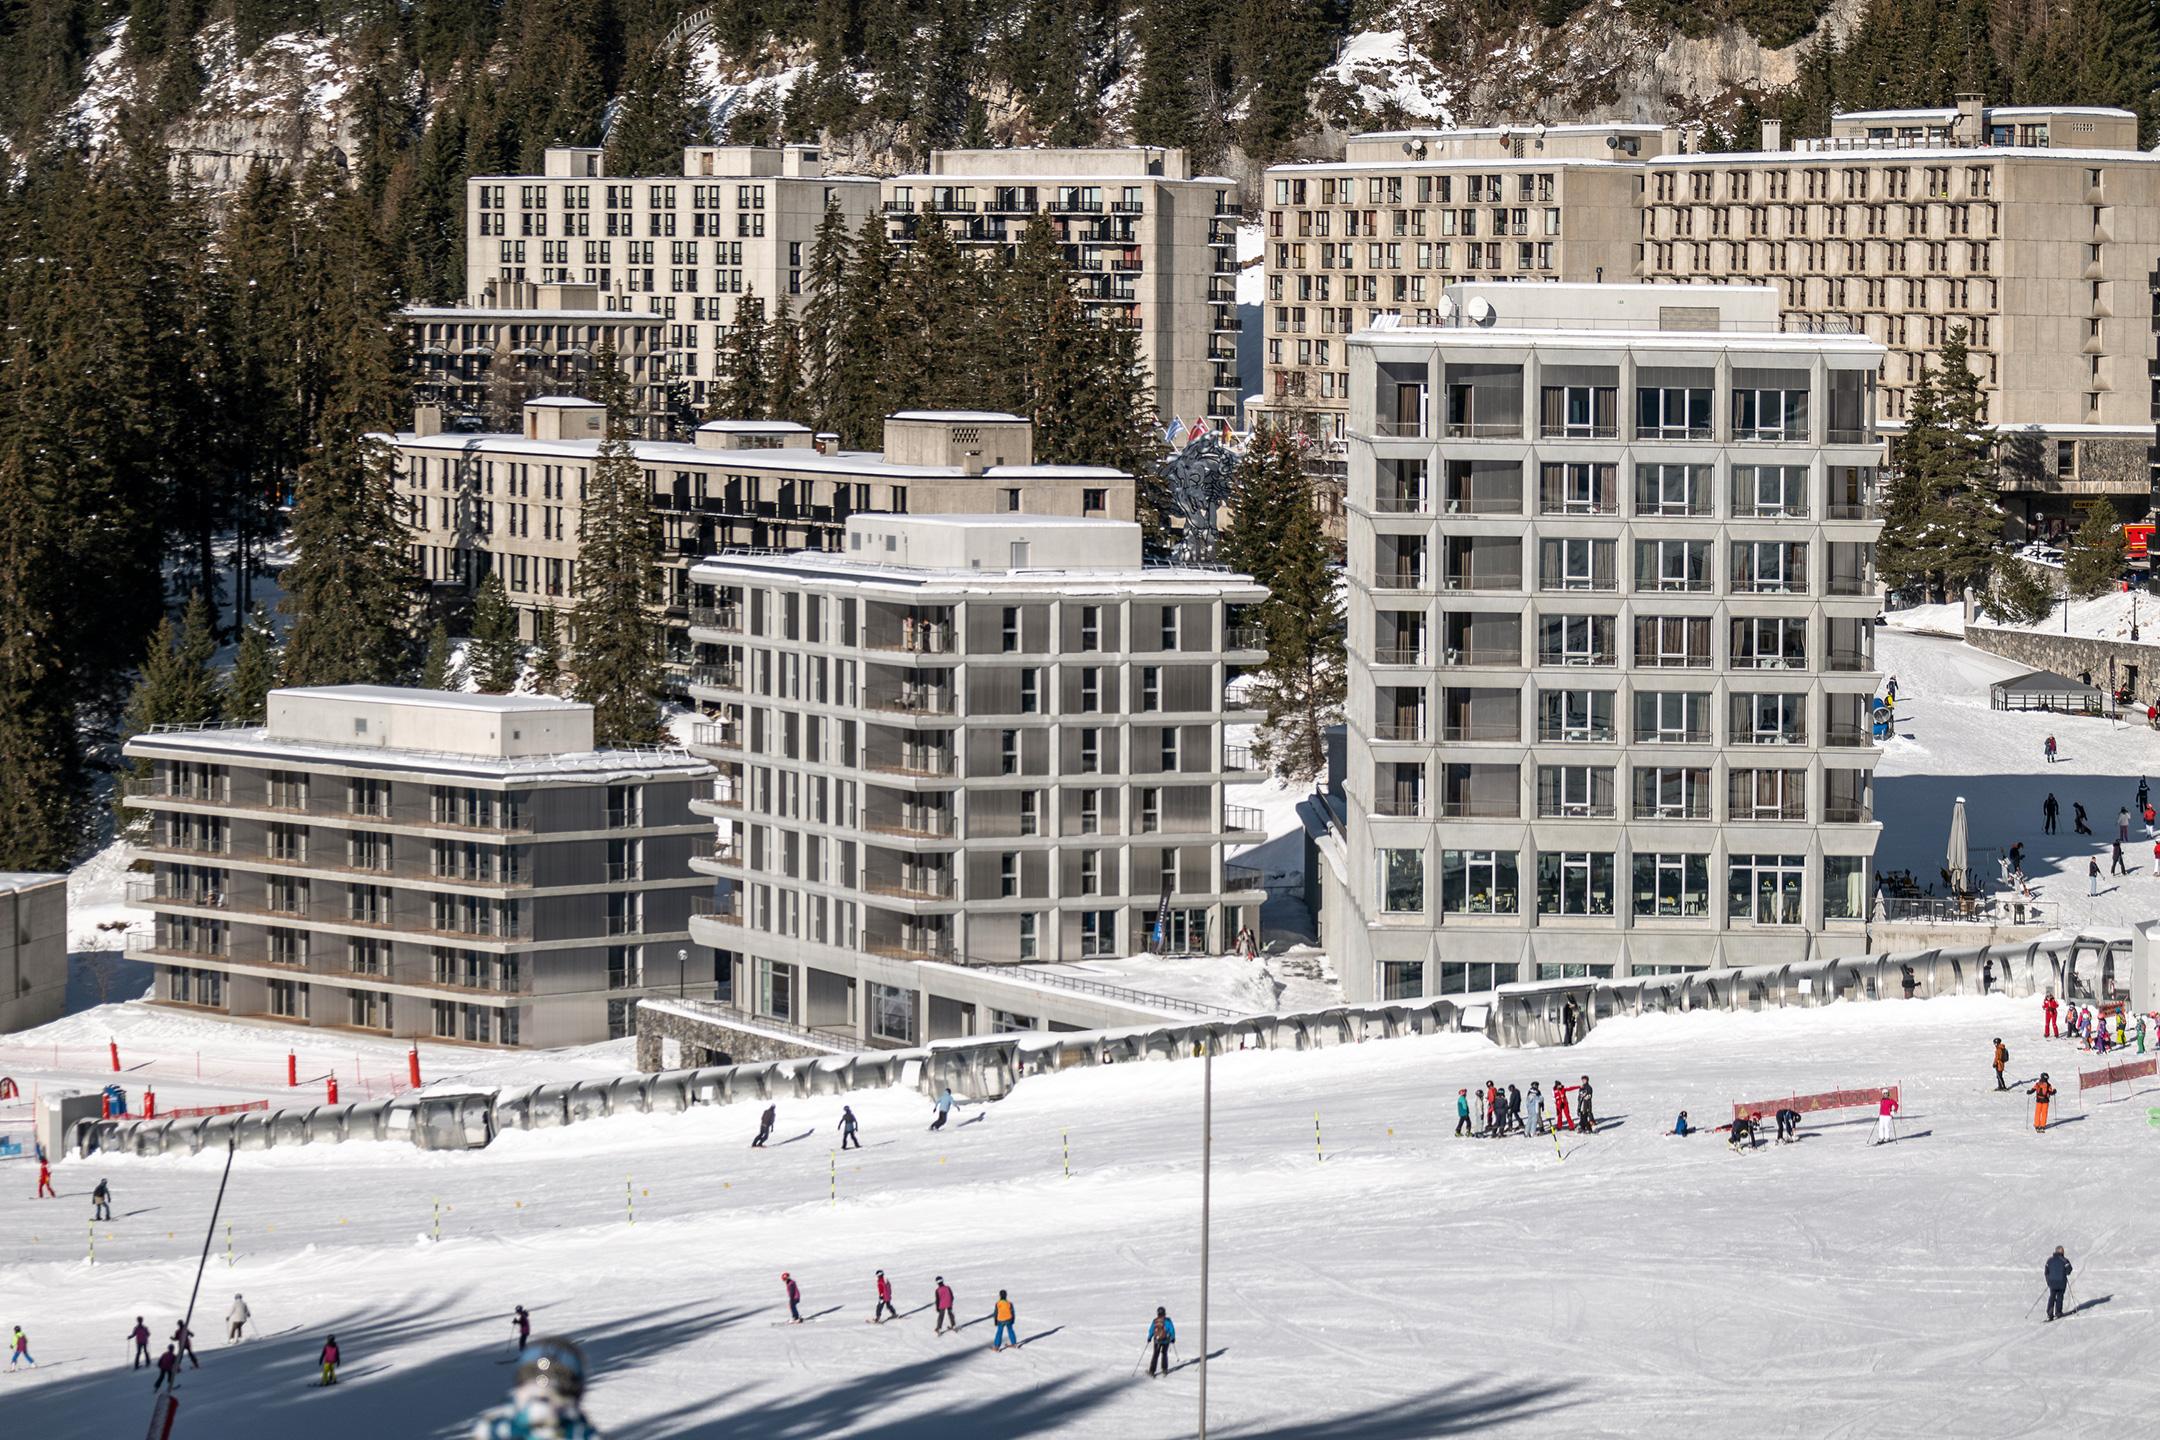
[2116,1074]
[1821,1100]
[190,1112]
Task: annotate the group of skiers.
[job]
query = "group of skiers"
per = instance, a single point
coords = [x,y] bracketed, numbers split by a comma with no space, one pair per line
[2098,1032]
[1004,1314]
[1508,1111]
[849,1126]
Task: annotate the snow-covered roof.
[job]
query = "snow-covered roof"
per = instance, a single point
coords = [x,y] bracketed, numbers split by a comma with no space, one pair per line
[1950,113]
[579,767]
[1916,153]
[28,879]
[1502,335]
[487,312]
[801,460]
[829,568]
[1413,167]
[561,402]
[1527,127]
[755,427]
[434,699]
[961,417]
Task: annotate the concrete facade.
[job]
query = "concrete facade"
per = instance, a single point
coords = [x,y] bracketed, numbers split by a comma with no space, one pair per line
[965,741]
[512,503]
[1610,641]
[739,219]
[478,364]
[33,949]
[1151,245]
[2037,229]
[419,863]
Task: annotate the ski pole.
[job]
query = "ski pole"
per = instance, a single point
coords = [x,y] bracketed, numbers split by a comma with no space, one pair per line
[1143,1355]
[2035,1304]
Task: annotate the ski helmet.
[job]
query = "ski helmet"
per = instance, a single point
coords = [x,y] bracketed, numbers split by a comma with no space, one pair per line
[556,1361]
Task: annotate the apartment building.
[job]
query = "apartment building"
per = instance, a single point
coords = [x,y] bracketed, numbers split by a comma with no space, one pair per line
[2036,229]
[478,364]
[965,742]
[1611,612]
[683,248]
[33,949]
[1150,244]
[419,863]
[512,503]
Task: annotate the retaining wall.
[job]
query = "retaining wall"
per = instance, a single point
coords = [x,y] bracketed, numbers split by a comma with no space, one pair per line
[2074,654]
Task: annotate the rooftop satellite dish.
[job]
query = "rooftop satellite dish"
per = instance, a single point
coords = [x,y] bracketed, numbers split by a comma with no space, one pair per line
[1447,309]
[1479,310]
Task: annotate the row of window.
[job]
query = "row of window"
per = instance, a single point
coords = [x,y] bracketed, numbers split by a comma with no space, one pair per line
[657,196]
[1759,889]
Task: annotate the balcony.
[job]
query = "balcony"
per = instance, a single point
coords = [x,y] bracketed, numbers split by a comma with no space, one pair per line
[1840,812]
[717,617]
[926,885]
[1849,662]
[1480,809]
[1399,807]
[1242,877]
[913,947]
[1794,735]
[1482,730]
[1769,662]
[1404,580]
[724,910]
[716,677]
[1399,655]
[1242,820]
[160,787]
[1595,732]
[915,638]
[916,701]
[924,763]
[1238,760]
[916,824]
[1403,503]
[1398,731]
[1781,811]
[721,735]
[1847,736]
[1245,637]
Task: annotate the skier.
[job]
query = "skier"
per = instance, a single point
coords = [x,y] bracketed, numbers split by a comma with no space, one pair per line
[764,1129]
[1462,1110]
[1890,690]
[1562,1119]
[1535,1125]
[1514,1109]
[1681,1127]
[847,1129]
[1907,980]
[2017,857]
[1161,1334]
[2048,1008]
[101,1201]
[141,1336]
[2116,865]
[44,1181]
[184,1342]
[1570,1017]
[1585,1119]
[522,1323]
[884,1300]
[21,1350]
[2058,1280]
[942,1297]
[2002,1058]
[794,1298]
[2077,819]
[2042,1092]
[1004,1314]
[543,1404]
[944,1108]
[1744,1128]
[328,1359]
[2092,877]
[1495,1117]
[1788,1125]
[2144,795]
[2050,749]
[168,1372]
[2050,807]
[236,1319]
[2147,813]
[1885,1120]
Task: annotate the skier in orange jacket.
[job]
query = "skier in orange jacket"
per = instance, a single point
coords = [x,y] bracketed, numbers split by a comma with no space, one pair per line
[2041,1093]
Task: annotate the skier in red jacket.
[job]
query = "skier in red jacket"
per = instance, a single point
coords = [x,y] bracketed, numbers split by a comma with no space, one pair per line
[794,1298]
[884,1300]
[1561,1118]
[2048,1007]
[44,1181]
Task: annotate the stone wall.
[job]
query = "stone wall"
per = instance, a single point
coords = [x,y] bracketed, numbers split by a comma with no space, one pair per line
[2074,655]
[669,1040]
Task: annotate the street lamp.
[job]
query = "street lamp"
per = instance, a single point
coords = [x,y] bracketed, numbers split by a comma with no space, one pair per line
[1207,1158]
[682,965]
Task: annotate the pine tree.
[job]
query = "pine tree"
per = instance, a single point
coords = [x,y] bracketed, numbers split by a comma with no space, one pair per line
[197,697]
[2023,593]
[1264,492]
[823,319]
[933,352]
[784,397]
[40,746]
[660,109]
[2097,554]
[615,650]
[496,656]
[547,659]
[1280,46]
[862,372]
[439,669]
[743,386]
[175,686]
[254,672]
[1303,683]
[1942,523]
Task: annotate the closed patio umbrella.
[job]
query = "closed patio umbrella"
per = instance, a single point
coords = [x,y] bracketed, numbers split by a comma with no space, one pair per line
[1957,859]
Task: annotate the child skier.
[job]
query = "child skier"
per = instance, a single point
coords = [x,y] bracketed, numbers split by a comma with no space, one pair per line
[943,1298]
[1462,1111]
[2042,1093]
[329,1361]
[884,1300]
[21,1351]
[522,1323]
[2002,1058]
[1004,1314]
[141,1336]
[794,1298]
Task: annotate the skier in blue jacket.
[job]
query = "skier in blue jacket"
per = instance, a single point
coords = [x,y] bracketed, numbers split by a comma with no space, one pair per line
[1161,1336]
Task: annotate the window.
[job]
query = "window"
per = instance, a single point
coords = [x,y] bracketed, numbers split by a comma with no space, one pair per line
[1672,887]
[1030,945]
[1672,642]
[1671,409]
[1767,643]
[1030,691]
[892,1013]
[1008,875]
[1575,882]
[1402,881]
[1770,490]
[1008,752]
[1765,889]
[1769,719]
[1031,812]
[1098,932]
[1579,489]
[1672,565]
[1090,627]
[625,967]
[1576,716]
[1768,405]
[1478,882]
[1578,411]
[1459,978]
[1672,792]
[1009,629]
[1767,795]
[1769,567]
[1575,563]
[1575,640]
[775,989]
[1575,791]
[1845,887]
[1672,490]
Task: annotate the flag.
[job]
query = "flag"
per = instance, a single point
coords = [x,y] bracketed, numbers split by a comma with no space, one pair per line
[1170,434]
[1199,428]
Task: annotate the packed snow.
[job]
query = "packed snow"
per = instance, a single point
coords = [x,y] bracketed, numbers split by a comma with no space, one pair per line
[2110,616]
[1371,1275]
[1388,77]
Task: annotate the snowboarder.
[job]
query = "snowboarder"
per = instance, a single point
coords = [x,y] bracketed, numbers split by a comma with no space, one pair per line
[765,1124]
[1462,1110]
[2050,807]
[236,1319]
[544,1400]
[794,1298]
[1535,1125]
[2048,1008]
[884,1300]
[44,1180]
[168,1372]
[21,1351]
[1885,1120]
[2116,865]
[1570,1017]
[1161,1334]
[1514,1109]
[328,1359]
[2042,1092]
[184,1342]
[2058,1281]
[942,1297]
[522,1323]
[848,1141]
[1004,1314]
[2050,749]
[1585,1117]
[141,1336]
[1562,1118]
[2092,877]
[101,1201]
[2002,1058]
[944,1108]
[1788,1125]
[1681,1127]
[2077,819]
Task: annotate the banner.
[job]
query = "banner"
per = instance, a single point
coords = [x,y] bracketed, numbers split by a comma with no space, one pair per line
[2115,1074]
[1822,1100]
[200,1110]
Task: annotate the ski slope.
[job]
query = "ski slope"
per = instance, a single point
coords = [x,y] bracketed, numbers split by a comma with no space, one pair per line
[1407,1284]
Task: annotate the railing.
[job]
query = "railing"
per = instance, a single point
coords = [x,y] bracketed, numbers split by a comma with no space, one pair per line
[1243,877]
[1481,732]
[1770,737]
[1577,734]
[1673,737]
[1665,433]
[1685,810]
[1480,809]
[926,825]
[1245,637]
[1838,812]
[1768,662]
[1862,509]
[1125,995]
[716,617]
[1401,505]
[1851,585]
[1784,810]
[725,797]
[1242,818]
[923,640]
[1399,807]
[923,703]
[1552,808]
[928,763]
[1577,584]
[144,890]
[712,907]
[917,887]
[1581,659]
[155,787]
[1509,580]
[1845,736]
[1399,655]
[929,947]
[1464,430]
[1849,661]
[1398,730]
[1578,432]
[716,677]
[716,736]
[1238,758]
